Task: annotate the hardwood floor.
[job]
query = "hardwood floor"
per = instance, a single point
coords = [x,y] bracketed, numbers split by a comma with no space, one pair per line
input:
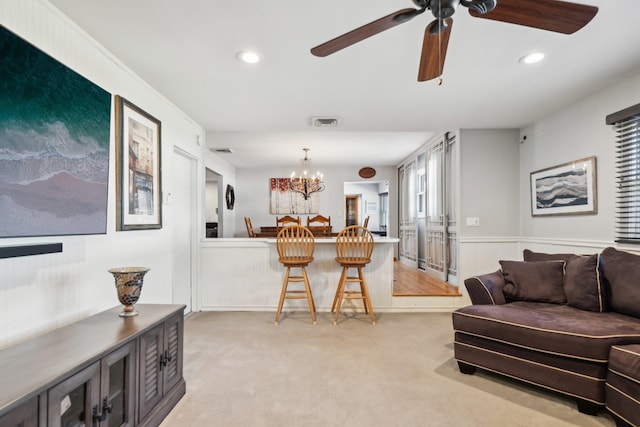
[409,281]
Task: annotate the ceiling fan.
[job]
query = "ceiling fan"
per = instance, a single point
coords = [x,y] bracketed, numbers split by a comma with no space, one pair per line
[551,15]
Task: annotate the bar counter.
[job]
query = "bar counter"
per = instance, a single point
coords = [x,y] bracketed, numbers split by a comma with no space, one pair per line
[244,274]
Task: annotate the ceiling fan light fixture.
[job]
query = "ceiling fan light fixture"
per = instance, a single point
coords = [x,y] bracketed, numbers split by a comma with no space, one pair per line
[248,57]
[532,58]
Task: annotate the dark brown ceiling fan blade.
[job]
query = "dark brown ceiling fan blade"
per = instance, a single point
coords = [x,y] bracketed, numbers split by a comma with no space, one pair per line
[366,31]
[434,50]
[551,15]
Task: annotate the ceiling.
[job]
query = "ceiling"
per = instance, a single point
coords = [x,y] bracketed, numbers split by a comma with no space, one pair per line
[187,51]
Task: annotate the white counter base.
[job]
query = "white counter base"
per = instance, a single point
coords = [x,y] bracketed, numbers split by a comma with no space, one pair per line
[244,274]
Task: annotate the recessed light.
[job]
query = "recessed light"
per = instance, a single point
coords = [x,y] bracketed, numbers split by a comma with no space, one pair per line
[532,58]
[248,57]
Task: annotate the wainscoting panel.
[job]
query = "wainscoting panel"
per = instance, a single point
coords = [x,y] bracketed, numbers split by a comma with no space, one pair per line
[244,274]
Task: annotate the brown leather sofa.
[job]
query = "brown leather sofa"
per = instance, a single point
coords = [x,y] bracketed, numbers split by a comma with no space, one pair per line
[552,320]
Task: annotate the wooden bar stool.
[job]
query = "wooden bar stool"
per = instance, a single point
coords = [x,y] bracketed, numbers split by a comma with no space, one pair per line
[295,246]
[354,246]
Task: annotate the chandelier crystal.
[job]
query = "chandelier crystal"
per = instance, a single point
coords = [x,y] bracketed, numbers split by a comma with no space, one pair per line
[306,183]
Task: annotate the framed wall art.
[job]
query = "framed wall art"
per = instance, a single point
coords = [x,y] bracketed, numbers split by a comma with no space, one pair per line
[138,179]
[566,189]
[54,145]
[283,201]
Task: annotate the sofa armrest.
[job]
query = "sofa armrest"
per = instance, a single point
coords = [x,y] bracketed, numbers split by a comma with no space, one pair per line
[486,288]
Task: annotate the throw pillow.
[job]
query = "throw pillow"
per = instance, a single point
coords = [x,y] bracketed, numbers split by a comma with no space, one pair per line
[582,285]
[541,256]
[534,281]
[622,271]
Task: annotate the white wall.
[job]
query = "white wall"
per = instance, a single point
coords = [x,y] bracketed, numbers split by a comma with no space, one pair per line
[575,132]
[488,177]
[39,293]
[489,189]
[252,195]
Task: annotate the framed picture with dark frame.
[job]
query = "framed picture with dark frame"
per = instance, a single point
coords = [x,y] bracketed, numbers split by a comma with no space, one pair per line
[138,169]
[566,189]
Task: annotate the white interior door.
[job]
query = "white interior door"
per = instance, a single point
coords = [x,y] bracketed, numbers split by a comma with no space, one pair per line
[441,213]
[408,247]
[184,209]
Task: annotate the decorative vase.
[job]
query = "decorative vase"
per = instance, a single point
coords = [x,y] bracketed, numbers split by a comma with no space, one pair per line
[129,286]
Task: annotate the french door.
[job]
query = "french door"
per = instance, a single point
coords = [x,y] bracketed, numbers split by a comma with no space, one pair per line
[408,246]
[428,209]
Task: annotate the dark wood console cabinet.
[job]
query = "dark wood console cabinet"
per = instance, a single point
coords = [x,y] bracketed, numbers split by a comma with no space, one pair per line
[102,371]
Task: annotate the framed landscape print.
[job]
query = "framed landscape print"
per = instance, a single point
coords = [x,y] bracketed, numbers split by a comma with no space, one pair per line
[283,201]
[566,189]
[139,192]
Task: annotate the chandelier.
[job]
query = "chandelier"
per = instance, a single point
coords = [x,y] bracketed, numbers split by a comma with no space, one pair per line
[305,183]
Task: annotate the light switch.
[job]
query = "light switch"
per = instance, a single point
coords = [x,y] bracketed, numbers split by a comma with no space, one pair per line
[473,221]
[166,198]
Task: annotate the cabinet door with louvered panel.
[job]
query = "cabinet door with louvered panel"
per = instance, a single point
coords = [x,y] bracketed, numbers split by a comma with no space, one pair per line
[172,367]
[151,364]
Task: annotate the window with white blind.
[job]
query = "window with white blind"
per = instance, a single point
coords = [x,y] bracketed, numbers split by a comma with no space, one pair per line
[626,124]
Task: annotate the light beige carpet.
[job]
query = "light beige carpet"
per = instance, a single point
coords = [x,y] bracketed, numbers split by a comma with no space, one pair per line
[242,370]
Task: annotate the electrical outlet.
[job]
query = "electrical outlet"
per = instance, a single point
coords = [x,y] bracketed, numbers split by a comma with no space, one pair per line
[473,221]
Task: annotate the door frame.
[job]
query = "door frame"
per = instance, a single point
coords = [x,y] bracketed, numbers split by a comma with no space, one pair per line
[193,218]
[348,197]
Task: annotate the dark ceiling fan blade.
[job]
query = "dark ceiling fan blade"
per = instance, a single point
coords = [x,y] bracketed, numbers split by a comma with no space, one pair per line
[551,15]
[366,31]
[434,50]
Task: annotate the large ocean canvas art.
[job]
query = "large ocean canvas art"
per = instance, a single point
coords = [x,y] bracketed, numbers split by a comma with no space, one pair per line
[569,188]
[54,145]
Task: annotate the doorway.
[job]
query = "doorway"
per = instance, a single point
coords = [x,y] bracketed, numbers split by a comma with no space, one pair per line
[213,226]
[184,210]
[352,209]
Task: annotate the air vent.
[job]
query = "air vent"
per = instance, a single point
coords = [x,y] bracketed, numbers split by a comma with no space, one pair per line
[222,150]
[325,122]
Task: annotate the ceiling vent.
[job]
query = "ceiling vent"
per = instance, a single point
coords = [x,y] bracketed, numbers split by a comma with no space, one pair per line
[222,150]
[325,122]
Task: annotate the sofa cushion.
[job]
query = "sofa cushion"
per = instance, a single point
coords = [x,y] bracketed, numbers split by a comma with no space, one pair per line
[622,272]
[551,328]
[534,281]
[625,360]
[583,286]
[623,383]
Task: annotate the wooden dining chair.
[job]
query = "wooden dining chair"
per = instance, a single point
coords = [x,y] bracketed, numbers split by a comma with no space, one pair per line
[366,223]
[286,220]
[247,223]
[354,246]
[320,224]
[295,245]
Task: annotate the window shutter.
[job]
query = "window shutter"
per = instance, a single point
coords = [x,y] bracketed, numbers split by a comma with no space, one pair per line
[627,126]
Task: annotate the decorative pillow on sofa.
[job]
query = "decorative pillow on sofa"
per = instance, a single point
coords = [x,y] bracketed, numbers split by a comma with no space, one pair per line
[582,285]
[622,271]
[534,281]
[541,256]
